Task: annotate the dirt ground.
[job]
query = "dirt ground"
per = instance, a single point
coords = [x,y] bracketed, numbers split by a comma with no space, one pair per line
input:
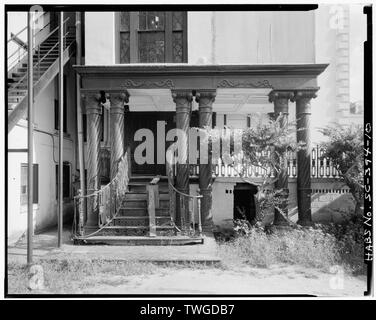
[274,280]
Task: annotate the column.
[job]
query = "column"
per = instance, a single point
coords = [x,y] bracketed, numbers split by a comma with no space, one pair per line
[303,115]
[183,100]
[93,121]
[117,101]
[205,99]
[281,109]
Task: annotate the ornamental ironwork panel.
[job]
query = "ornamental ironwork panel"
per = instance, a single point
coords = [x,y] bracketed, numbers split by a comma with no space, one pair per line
[124,47]
[151,47]
[177,47]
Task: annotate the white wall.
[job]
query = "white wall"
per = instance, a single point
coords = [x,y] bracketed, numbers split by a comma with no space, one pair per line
[99,38]
[45,212]
[221,37]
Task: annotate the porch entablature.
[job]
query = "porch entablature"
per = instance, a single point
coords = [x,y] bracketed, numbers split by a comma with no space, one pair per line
[184,76]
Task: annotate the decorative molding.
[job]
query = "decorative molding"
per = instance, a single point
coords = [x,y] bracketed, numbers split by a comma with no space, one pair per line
[276,95]
[305,94]
[168,83]
[205,98]
[244,84]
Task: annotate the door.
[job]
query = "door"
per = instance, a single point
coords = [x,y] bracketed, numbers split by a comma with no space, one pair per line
[146,120]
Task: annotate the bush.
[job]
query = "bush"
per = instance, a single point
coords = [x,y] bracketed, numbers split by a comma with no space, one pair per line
[319,247]
[350,245]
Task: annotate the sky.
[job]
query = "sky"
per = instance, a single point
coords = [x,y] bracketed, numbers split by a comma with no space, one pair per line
[358,34]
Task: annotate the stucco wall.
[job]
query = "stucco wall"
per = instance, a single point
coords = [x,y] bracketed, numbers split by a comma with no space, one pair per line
[221,37]
[45,212]
[330,202]
[99,38]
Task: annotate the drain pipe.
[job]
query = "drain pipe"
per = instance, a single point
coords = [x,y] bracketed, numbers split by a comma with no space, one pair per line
[30,138]
[61,128]
[80,139]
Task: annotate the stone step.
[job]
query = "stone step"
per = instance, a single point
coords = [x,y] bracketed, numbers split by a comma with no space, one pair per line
[135,230]
[138,187]
[143,196]
[142,203]
[140,212]
[140,221]
[140,241]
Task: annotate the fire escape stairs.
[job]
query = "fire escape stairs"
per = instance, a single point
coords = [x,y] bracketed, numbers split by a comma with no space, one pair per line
[46,67]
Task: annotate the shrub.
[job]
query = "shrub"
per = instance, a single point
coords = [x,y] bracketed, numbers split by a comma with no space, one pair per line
[320,247]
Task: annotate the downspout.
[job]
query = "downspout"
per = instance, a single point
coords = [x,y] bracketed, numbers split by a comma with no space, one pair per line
[61,129]
[79,122]
[30,138]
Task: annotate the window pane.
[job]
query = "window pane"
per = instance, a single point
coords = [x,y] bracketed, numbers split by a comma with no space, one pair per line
[177,47]
[151,20]
[177,20]
[66,180]
[151,47]
[124,21]
[124,47]
[23,184]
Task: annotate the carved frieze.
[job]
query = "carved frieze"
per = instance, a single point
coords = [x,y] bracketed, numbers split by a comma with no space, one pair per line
[168,83]
[225,83]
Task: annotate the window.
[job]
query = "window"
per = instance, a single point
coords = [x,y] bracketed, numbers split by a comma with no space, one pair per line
[153,37]
[64,105]
[66,180]
[23,198]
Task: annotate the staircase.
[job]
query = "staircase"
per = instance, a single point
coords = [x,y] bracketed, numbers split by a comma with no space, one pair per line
[45,68]
[133,218]
[131,225]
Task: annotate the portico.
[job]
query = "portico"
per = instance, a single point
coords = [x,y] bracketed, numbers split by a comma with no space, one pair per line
[177,88]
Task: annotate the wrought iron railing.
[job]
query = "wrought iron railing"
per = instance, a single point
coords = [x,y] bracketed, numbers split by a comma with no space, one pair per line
[321,167]
[110,199]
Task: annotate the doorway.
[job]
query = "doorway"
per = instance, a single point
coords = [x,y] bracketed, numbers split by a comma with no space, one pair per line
[146,120]
[244,202]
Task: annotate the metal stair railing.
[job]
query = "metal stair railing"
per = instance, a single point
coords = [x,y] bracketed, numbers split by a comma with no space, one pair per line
[14,86]
[21,51]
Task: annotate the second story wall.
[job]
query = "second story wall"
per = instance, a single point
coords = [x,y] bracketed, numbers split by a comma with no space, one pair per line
[219,37]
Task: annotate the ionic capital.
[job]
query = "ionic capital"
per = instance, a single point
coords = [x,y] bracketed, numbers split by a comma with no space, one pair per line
[182,99]
[303,100]
[280,95]
[281,98]
[205,98]
[118,98]
[306,94]
[93,102]
[118,101]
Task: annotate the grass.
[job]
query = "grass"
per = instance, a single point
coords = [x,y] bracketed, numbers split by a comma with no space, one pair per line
[73,276]
[309,247]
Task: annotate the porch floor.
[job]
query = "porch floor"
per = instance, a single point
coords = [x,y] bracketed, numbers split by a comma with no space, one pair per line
[45,248]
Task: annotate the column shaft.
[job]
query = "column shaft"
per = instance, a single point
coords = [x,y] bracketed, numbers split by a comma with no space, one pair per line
[117,129]
[93,118]
[303,115]
[183,99]
[205,100]
[281,112]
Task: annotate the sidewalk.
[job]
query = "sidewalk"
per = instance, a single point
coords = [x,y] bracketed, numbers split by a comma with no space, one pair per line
[45,248]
